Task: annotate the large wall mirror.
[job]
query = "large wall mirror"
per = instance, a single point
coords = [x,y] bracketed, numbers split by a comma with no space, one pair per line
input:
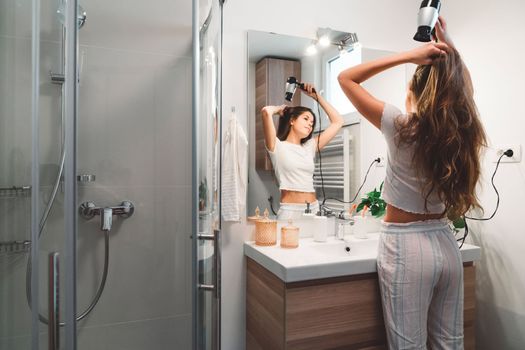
[272,58]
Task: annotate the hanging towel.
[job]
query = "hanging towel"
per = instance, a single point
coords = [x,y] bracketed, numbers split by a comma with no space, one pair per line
[234,171]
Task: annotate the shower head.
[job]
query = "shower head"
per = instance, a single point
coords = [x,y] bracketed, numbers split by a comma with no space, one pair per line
[81,17]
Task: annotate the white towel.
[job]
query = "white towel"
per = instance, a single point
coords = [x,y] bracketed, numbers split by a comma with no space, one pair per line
[234,171]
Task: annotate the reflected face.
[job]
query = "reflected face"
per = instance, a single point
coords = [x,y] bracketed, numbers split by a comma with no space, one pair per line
[302,126]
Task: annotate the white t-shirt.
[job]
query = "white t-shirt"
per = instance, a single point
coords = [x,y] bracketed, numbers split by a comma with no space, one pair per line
[402,188]
[294,165]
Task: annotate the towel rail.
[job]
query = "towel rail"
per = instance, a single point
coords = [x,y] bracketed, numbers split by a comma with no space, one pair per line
[336,173]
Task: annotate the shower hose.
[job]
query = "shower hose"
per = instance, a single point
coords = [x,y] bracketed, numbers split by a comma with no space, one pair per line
[42,225]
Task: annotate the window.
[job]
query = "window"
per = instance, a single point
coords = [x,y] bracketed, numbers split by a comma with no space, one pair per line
[334,66]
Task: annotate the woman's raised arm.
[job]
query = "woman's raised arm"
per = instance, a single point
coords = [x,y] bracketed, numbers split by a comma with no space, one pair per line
[267,114]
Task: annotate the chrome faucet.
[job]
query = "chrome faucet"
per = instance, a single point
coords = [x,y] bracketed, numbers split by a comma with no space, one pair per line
[88,210]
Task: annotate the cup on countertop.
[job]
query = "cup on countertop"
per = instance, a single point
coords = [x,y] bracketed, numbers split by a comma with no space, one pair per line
[360,227]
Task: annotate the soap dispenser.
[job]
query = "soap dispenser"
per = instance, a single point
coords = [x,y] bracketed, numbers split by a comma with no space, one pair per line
[307,221]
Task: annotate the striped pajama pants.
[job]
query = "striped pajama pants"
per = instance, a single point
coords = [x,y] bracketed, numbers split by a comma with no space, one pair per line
[421,281]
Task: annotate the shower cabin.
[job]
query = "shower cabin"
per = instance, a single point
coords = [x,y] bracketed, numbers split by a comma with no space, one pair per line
[110,138]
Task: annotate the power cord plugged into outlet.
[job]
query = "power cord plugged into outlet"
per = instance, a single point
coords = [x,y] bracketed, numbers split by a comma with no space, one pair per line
[380,160]
[507,154]
[502,152]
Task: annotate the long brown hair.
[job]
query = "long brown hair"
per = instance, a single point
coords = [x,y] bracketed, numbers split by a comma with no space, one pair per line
[446,133]
[290,114]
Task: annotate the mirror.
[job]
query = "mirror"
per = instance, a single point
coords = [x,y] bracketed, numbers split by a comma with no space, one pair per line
[272,58]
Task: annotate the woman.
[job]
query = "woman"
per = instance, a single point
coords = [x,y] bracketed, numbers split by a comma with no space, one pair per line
[433,167]
[292,151]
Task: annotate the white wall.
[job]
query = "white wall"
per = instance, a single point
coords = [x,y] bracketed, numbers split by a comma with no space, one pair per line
[488,36]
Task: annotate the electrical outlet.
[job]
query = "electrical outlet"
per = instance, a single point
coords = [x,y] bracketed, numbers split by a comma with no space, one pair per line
[516,157]
[382,161]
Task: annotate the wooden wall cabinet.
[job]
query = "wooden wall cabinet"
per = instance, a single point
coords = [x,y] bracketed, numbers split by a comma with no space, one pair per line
[270,83]
[332,313]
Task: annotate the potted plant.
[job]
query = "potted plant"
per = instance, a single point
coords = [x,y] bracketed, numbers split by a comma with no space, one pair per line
[376,207]
[373,201]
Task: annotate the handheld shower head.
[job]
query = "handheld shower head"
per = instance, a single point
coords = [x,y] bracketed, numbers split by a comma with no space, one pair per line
[426,19]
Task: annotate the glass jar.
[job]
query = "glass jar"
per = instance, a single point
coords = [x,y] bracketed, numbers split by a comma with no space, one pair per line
[289,236]
[265,231]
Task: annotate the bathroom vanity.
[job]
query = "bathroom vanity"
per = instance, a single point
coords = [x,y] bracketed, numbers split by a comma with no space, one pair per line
[322,296]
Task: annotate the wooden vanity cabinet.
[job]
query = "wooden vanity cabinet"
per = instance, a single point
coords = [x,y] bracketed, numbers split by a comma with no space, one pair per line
[270,83]
[332,313]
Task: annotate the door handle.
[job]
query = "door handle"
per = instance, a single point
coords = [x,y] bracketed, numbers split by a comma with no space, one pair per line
[53,324]
[216,278]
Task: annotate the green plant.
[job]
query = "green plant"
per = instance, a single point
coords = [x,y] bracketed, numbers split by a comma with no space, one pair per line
[458,224]
[203,194]
[374,202]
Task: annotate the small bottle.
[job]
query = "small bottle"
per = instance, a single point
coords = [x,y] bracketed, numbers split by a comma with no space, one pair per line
[319,226]
[289,236]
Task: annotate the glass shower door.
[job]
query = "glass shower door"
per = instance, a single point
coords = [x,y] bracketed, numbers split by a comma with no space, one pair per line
[32,234]
[15,173]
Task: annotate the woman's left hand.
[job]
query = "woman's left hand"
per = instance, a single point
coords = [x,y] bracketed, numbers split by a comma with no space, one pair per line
[309,90]
[427,53]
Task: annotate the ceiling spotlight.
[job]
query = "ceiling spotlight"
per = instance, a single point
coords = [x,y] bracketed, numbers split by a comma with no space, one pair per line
[324,41]
[311,50]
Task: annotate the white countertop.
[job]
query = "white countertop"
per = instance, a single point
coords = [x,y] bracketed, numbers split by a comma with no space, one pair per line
[314,260]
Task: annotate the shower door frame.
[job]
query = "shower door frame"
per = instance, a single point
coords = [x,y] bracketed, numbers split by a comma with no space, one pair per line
[70,170]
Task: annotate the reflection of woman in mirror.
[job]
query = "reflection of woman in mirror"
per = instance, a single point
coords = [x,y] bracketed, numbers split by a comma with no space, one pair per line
[432,171]
[292,150]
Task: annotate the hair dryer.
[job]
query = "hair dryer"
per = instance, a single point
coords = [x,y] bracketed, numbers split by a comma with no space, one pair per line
[291,85]
[426,19]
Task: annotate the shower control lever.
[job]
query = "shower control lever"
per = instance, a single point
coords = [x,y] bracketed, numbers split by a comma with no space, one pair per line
[106,219]
[88,210]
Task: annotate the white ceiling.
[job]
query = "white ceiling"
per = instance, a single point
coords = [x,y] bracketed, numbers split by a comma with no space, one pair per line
[265,44]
